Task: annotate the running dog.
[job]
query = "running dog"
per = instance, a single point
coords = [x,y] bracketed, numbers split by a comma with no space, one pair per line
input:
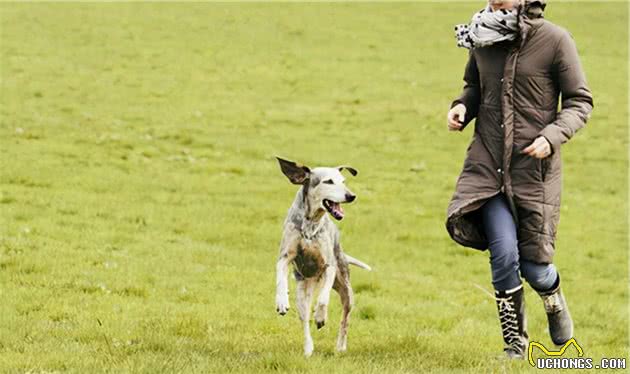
[310,242]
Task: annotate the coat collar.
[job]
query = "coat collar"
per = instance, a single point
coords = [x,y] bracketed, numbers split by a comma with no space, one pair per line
[527,26]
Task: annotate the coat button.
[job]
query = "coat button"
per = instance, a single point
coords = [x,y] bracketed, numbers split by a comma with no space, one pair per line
[502,125]
[500,171]
[501,79]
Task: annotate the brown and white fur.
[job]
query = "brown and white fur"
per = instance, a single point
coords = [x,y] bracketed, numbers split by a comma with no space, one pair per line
[310,242]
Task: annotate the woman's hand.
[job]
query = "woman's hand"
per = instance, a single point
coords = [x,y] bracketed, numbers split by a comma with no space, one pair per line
[540,148]
[455,117]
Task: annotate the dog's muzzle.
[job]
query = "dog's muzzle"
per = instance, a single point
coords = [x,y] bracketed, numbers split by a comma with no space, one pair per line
[334,209]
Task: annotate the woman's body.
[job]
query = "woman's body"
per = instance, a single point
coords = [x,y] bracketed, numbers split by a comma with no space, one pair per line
[513,165]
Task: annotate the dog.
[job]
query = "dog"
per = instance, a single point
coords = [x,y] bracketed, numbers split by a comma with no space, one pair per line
[311,242]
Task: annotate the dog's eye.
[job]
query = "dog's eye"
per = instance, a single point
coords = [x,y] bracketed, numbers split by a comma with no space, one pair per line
[329,181]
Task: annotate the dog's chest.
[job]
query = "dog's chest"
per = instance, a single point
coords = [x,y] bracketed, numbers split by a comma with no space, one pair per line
[309,260]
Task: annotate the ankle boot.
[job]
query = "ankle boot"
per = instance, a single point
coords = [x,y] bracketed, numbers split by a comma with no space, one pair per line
[560,323]
[511,307]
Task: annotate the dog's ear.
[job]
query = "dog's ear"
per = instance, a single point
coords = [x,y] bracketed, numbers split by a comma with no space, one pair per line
[352,170]
[296,173]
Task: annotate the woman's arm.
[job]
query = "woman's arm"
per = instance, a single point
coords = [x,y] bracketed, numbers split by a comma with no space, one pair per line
[577,101]
[470,96]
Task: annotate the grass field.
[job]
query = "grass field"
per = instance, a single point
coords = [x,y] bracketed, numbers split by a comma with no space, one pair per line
[141,206]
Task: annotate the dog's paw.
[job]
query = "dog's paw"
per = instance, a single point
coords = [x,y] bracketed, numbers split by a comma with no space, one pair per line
[308,348]
[341,345]
[282,304]
[320,316]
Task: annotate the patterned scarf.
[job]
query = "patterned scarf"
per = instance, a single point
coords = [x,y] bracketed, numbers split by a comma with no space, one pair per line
[487,27]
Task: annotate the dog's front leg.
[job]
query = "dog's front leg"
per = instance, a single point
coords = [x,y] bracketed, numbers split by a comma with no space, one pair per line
[305,289]
[321,309]
[282,283]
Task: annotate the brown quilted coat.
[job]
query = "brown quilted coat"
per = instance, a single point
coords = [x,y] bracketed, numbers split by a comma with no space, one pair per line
[512,89]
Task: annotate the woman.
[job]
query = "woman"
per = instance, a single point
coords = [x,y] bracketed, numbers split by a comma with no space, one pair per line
[507,197]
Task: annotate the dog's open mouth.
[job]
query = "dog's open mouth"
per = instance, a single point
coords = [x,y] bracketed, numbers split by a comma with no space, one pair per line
[334,209]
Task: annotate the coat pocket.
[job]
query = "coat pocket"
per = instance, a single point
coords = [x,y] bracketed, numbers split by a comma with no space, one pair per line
[544,167]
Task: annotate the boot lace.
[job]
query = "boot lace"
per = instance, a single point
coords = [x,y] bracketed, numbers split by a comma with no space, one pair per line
[509,323]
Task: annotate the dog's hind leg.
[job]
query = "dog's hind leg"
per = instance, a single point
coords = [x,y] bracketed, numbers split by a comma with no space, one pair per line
[305,289]
[344,289]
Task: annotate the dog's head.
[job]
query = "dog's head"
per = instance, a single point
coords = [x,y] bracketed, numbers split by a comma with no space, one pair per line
[324,187]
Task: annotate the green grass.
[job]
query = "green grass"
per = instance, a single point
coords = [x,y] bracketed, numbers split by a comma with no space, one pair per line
[141,206]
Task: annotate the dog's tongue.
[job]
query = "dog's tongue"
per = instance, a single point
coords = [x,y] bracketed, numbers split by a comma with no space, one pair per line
[337,210]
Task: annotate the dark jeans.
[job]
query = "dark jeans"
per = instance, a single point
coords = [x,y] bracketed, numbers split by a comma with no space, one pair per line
[505,263]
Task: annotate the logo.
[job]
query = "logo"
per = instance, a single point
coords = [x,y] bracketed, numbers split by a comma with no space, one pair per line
[530,350]
[555,362]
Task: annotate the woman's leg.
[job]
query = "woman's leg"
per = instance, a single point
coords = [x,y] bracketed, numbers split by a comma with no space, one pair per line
[546,281]
[504,261]
[540,277]
[500,230]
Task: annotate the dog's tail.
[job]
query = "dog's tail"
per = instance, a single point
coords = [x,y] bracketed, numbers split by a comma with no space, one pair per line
[353,261]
